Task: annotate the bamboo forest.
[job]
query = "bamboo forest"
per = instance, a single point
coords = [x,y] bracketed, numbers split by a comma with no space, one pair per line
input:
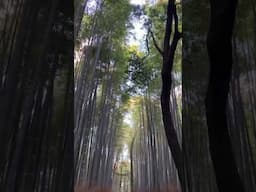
[128,96]
[120,142]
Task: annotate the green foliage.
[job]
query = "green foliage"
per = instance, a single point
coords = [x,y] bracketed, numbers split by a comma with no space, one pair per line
[87,22]
[110,20]
[139,72]
[133,71]
[156,19]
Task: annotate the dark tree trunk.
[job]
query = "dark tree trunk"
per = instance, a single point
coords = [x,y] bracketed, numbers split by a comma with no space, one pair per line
[168,58]
[220,57]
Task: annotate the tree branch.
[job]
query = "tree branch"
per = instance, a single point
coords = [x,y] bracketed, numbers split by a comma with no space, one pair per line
[168,60]
[155,43]
[176,21]
[168,28]
[147,43]
[177,35]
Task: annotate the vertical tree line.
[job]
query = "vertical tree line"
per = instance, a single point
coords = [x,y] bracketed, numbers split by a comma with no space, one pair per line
[99,63]
[152,168]
[64,106]
[171,38]
[231,103]
[36,70]
[222,20]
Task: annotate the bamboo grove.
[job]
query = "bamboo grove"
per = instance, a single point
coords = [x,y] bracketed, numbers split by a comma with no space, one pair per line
[100,60]
[36,70]
[127,96]
[241,99]
[110,74]
[150,165]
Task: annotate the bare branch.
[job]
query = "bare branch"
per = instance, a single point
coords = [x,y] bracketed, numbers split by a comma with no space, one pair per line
[147,36]
[147,42]
[155,43]
[176,22]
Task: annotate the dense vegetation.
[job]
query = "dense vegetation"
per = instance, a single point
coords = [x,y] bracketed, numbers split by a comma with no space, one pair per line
[118,126]
[146,156]
[36,95]
[114,95]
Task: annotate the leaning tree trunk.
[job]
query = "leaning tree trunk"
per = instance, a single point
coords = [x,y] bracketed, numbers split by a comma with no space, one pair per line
[168,59]
[220,57]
